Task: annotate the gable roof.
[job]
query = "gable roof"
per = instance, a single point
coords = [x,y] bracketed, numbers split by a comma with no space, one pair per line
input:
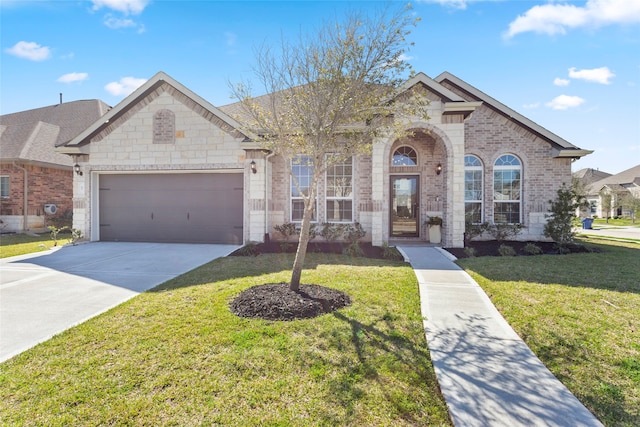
[32,135]
[562,148]
[619,181]
[588,176]
[110,120]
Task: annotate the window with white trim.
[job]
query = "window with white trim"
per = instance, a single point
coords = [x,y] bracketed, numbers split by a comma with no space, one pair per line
[507,190]
[4,187]
[302,172]
[404,156]
[473,185]
[339,192]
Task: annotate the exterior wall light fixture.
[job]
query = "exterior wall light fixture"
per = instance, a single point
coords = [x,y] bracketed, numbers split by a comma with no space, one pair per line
[77,169]
[439,169]
[254,169]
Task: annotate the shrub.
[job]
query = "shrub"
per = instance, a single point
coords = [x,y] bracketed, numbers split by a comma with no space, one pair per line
[331,232]
[353,233]
[287,230]
[559,226]
[532,249]
[502,232]
[470,252]
[76,236]
[249,249]
[391,253]
[506,250]
[54,233]
[471,230]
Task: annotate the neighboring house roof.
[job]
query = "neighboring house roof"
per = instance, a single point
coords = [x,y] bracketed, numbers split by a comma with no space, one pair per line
[110,120]
[623,180]
[32,135]
[562,148]
[588,176]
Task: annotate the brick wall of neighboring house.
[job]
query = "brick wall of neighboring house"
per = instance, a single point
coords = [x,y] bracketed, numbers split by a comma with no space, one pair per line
[46,185]
[489,135]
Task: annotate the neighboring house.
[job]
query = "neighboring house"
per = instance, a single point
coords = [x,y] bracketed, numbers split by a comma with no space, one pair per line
[165,165]
[582,179]
[616,187]
[32,173]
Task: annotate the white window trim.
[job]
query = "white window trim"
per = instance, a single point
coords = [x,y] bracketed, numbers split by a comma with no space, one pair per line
[482,188]
[292,185]
[405,166]
[327,198]
[508,167]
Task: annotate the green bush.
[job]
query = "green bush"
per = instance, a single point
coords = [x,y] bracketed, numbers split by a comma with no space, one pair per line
[391,253]
[470,252]
[506,250]
[532,249]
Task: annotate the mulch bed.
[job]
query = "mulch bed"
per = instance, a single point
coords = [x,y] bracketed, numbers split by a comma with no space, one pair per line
[491,247]
[275,301]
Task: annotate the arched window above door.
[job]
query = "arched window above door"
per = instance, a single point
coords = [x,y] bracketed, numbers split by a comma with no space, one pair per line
[404,156]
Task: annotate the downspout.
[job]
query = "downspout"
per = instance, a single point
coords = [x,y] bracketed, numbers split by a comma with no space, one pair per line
[25,196]
[266,194]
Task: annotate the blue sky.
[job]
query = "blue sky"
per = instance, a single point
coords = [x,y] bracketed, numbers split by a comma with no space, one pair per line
[572,67]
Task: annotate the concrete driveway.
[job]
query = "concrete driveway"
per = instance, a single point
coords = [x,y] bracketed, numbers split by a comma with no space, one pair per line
[46,293]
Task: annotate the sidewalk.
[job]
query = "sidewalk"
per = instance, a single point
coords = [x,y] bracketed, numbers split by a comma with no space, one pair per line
[487,374]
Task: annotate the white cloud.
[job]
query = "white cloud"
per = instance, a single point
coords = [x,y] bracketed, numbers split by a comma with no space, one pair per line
[564,102]
[453,4]
[73,77]
[114,23]
[30,50]
[531,106]
[600,75]
[555,18]
[128,7]
[124,86]
[561,82]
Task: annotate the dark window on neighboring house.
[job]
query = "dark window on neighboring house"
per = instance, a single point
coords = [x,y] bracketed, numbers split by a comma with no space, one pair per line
[4,187]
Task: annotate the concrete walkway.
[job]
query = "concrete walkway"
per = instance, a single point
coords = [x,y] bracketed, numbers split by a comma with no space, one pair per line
[487,374]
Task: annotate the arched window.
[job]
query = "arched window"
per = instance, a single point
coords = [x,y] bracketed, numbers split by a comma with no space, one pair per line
[473,185]
[164,127]
[404,156]
[507,190]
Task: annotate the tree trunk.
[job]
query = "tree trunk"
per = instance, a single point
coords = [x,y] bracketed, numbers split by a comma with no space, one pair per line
[303,241]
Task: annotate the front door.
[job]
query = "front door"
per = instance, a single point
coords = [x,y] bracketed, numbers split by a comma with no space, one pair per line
[404,206]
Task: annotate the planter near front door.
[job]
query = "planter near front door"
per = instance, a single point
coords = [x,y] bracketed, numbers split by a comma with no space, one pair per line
[435,234]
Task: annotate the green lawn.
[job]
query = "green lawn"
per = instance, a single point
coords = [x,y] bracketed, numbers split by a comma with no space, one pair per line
[619,221]
[580,314]
[177,356]
[20,244]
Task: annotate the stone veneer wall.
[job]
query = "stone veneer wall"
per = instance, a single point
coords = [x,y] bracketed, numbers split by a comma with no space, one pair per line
[202,143]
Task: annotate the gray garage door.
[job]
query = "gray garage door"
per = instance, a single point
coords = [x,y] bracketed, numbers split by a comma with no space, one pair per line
[172,208]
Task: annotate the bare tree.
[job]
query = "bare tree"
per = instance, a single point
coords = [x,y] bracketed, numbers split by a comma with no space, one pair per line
[329,95]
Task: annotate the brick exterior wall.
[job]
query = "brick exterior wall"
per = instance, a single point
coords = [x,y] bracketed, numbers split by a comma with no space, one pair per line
[45,185]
